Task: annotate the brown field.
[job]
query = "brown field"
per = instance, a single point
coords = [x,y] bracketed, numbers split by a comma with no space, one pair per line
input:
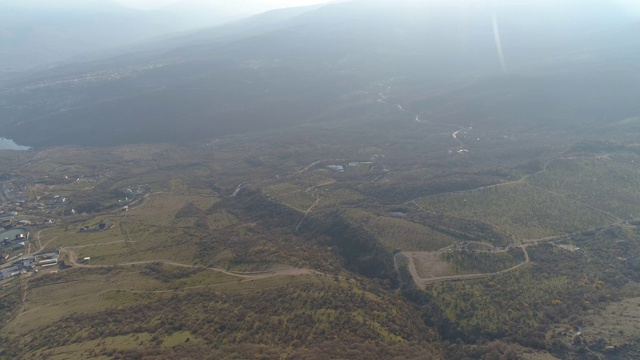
[427,265]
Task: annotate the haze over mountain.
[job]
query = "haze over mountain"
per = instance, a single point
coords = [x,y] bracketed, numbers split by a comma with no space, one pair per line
[299,65]
[37,32]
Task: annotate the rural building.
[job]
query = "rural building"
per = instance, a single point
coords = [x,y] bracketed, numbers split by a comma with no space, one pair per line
[9,272]
[27,263]
[47,258]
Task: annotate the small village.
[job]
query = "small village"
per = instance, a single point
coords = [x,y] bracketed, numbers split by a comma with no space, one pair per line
[24,212]
[30,264]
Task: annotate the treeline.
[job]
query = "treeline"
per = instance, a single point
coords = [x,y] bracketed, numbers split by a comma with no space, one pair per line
[409,189]
[596,147]
[463,229]
[472,262]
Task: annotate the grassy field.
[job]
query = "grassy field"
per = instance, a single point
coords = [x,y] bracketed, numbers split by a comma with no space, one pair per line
[336,197]
[88,290]
[94,311]
[62,295]
[147,243]
[124,242]
[221,219]
[81,292]
[291,195]
[71,236]
[162,209]
[617,324]
[398,234]
[87,350]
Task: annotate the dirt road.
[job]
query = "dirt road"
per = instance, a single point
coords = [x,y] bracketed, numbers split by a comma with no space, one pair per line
[283,271]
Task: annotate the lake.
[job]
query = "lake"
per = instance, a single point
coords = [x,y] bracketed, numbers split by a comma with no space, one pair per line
[11,234]
[8,144]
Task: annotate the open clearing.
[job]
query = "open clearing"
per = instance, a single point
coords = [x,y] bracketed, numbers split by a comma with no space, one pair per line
[618,324]
[428,265]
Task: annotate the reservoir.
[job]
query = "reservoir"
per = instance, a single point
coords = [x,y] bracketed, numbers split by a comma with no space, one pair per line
[11,234]
[398,214]
[8,144]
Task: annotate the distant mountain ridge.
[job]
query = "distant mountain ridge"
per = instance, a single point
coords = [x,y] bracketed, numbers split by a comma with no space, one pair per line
[37,32]
[61,4]
[294,66]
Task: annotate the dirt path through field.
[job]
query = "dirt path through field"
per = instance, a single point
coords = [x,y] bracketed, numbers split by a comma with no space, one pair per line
[281,271]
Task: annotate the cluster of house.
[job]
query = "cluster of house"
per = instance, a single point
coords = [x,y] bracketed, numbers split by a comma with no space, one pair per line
[9,244]
[11,223]
[18,237]
[355,164]
[100,227]
[43,259]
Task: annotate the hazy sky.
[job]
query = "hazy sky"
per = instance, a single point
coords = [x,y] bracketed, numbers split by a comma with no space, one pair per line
[630,5]
[152,4]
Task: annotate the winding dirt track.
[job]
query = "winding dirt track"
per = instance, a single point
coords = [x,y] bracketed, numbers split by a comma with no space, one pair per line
[284,271]
[423,282]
